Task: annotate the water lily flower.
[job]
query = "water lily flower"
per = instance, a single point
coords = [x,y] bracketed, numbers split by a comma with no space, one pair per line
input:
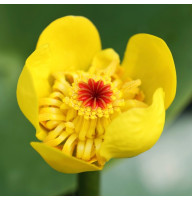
[85,105]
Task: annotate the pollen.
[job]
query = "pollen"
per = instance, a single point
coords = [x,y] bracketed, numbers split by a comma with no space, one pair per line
[80,107]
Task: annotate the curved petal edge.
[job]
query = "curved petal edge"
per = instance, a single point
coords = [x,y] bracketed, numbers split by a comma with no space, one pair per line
[62,162]
[148,58]
[135,130]
[73,40]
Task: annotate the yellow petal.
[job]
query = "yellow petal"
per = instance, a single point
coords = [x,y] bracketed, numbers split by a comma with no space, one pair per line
[67,43]
[34,83]
[106,58]
[60,161]
[148,58]
[135,130]
[73,42]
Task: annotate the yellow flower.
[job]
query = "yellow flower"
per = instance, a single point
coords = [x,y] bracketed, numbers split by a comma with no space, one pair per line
[87,107]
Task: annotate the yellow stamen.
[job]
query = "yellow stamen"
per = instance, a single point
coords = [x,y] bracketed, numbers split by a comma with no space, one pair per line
[53,134]
[78,124]
[52,124]
[80,149]
[84,129]
[57,95]
[92,127]
[59,139]
[88,149]
[99,128]
[50,110]
[64,88]
[77,129]
[49,102]
[70,144]
[70,127]
[50,116]
[71,114]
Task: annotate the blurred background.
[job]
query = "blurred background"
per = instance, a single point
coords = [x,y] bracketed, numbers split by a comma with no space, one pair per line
[166,169]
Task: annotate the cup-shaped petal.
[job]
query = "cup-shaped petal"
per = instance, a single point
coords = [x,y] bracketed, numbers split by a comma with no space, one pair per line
[148,58]
[73,42]
[61,161]
[66,44]
[34,83]
[106,58]
[135,130]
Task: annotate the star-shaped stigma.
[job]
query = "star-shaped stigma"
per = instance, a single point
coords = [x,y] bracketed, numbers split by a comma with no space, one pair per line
[95,93]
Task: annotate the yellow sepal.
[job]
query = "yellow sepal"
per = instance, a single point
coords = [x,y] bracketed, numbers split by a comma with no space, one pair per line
[67,43]
[106,60]
[60,161]
[33,83]
[73,41]
[135,130]
[148,58]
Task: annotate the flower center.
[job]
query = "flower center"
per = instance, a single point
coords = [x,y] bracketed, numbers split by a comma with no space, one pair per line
[79,109]
[95,94]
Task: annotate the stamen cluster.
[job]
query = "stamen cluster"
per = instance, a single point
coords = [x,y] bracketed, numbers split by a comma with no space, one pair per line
[79,109]
[94,96]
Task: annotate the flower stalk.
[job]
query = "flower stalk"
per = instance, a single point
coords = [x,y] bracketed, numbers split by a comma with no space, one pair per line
[89,184]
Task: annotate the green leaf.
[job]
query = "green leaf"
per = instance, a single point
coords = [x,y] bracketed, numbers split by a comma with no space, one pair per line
[9,71]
